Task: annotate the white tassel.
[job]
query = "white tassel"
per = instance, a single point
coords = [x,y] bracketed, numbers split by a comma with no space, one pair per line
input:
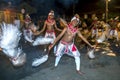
[42,41]
[101,38]
[91,54]
[39,61]
[8,32]
[20,60]
[9,39]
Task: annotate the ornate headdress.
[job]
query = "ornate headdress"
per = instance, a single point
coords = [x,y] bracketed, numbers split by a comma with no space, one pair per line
[51,13]
[76,17]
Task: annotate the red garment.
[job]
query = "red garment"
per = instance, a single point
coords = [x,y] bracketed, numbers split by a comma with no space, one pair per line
[74,48]
[50,32]
[67,44]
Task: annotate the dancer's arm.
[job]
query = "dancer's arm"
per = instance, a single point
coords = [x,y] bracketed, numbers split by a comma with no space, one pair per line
[83,38]
[63,22]
[43,29]
[58,38]
[57,27]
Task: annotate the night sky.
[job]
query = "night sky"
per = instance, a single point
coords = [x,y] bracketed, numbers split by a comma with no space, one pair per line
[66,6]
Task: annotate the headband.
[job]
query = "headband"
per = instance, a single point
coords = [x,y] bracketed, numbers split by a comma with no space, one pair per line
[75,18]
[51,13]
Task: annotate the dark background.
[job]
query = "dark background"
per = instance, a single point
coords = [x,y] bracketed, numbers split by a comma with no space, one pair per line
[68,7]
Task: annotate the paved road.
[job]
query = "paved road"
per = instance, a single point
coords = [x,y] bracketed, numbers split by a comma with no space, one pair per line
[104,67]
[8,72]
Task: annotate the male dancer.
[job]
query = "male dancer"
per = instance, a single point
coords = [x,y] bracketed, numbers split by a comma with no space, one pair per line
[49,25]
[66,45]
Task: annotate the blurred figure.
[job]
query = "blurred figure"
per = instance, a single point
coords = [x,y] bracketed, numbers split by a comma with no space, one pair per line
[16,22]
[94,29]
[50,26]
[27,20]
[114,29]
[66,44]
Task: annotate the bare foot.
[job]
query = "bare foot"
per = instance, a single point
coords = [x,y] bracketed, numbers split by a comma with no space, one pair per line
[79,72]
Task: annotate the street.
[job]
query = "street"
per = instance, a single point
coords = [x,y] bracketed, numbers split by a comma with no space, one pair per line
[105,66]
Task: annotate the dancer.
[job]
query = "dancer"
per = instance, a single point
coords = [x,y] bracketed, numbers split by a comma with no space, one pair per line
[66,45]
[49,25]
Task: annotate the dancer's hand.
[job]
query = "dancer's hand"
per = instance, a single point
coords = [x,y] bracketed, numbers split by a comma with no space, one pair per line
[93,46]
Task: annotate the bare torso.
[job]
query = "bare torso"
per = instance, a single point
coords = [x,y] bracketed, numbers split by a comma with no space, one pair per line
[50,25]
[69,36]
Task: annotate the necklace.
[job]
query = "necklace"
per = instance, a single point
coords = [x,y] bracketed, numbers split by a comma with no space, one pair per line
[72,29]
[50,20]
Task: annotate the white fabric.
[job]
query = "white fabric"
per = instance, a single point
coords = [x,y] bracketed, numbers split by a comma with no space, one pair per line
[42,41]
[28,35]
[39,61]
[74,54]
[9,43]
[75,18]
[51,35]
[77,61]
